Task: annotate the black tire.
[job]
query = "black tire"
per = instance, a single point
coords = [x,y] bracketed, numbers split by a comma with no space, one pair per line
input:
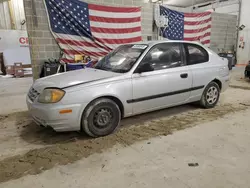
[101,117]
[207,101]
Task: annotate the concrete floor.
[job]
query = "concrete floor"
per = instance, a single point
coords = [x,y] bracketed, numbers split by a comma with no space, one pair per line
[221,148]
[218,140]
[12,94]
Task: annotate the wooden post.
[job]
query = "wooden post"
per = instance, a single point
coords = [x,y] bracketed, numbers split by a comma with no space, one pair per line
[13,24]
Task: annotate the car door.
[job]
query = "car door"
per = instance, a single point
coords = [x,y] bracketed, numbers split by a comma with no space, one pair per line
[167,84]
[202,69]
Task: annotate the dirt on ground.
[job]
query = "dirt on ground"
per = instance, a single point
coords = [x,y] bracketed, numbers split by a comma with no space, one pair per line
[26,148]
[62,149]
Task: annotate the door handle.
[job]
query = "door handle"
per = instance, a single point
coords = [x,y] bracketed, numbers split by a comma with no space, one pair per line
[184,75]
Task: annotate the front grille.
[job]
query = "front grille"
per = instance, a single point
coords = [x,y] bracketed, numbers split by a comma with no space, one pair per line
[33,94]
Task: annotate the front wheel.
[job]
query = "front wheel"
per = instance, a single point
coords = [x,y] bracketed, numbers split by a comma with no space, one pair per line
[101,117]
[210,96]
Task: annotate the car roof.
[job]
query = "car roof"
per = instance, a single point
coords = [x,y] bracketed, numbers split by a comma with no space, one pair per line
[154,42]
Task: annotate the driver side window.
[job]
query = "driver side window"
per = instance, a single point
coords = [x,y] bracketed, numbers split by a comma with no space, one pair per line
[164,56]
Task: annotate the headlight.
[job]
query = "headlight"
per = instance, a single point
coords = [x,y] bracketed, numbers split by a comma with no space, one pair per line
[51,96]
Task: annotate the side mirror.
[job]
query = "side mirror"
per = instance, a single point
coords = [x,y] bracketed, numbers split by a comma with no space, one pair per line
[144,68]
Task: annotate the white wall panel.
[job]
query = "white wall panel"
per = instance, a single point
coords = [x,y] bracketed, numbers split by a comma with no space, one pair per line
[244,54]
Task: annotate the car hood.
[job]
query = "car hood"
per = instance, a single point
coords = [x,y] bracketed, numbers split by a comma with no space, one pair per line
[72,78]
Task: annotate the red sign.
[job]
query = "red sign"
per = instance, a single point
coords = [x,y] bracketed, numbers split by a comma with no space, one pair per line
[24,40]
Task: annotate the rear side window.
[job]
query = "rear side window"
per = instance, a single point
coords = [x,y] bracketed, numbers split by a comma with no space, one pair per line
[196,54]
[164,56]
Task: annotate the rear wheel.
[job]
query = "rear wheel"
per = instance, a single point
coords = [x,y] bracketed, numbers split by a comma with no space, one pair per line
[101,117]
[210,96]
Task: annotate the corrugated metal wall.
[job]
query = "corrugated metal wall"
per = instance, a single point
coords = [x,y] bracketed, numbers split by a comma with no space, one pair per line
[18,15]
[5,22]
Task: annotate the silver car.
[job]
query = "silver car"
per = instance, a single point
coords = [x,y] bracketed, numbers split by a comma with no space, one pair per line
[132,79]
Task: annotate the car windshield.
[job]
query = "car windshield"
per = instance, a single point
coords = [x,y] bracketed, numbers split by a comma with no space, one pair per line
[122,59]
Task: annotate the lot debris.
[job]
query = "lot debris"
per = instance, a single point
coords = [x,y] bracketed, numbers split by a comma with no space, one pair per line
[193,164]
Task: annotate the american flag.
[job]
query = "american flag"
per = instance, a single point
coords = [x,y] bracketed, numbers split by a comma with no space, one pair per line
[187,26]
[93,30]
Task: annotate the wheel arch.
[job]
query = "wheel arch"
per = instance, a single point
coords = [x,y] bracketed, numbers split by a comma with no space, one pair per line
[217,81]
[111,97]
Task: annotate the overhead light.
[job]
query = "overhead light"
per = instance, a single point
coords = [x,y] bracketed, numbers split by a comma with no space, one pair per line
[152,1]
[23,22]
[242,27]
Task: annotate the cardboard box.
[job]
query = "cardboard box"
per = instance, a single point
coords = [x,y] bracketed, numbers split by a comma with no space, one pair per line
[10,69]
[18,65]
[19,73]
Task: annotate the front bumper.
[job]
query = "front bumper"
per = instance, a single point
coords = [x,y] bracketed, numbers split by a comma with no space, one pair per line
[48,115]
